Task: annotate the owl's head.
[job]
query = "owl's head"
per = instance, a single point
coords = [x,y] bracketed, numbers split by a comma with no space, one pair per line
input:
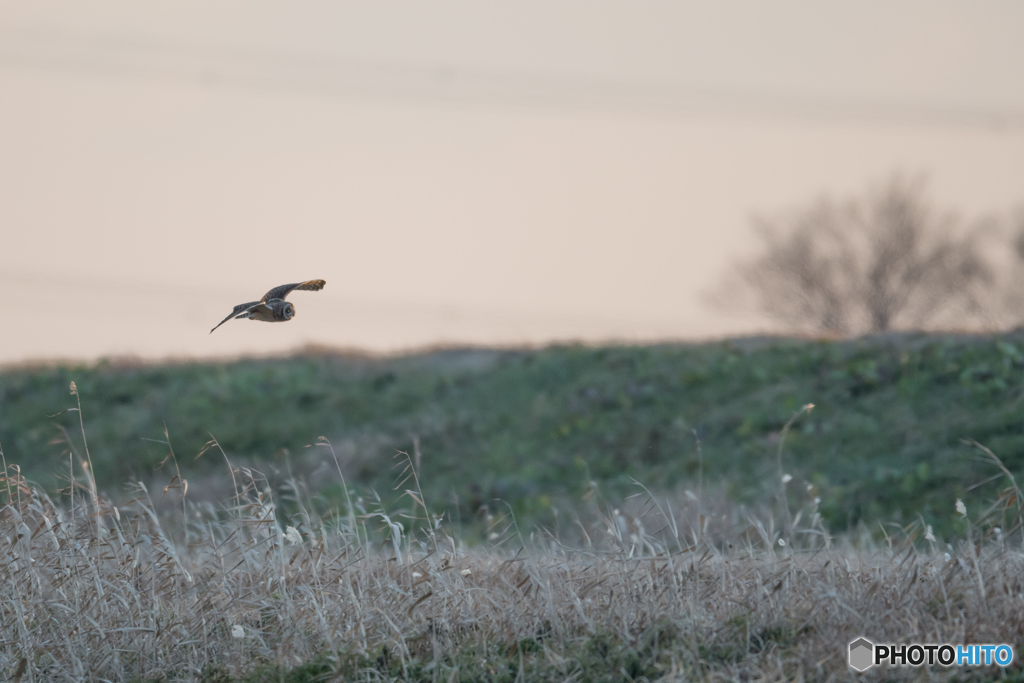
[288,311]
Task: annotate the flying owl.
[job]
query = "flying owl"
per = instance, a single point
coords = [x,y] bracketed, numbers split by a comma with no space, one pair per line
[273,308]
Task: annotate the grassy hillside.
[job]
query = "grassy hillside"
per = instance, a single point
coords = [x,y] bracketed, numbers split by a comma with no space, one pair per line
[533,427]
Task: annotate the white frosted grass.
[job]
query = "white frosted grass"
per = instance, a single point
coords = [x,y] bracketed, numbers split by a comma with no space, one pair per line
[105,593]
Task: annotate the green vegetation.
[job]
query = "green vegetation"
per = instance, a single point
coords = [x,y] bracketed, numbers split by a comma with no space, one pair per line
[659,650]
[601,657]
[532,428]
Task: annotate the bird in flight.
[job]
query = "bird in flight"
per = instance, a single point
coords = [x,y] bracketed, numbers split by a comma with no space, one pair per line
[273,308]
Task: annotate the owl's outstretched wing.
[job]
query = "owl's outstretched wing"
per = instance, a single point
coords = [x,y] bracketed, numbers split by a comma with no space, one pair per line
[283,291]
[240,308]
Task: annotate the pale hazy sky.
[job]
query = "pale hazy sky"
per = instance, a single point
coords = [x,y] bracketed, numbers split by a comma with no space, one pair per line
[459,172]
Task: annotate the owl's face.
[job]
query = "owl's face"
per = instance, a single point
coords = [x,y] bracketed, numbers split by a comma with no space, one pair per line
[289,311]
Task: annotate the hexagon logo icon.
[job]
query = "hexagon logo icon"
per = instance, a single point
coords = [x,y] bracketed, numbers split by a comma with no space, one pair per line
[862,654]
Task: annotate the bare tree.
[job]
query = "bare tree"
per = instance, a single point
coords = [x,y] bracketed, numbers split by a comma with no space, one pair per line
[870,264]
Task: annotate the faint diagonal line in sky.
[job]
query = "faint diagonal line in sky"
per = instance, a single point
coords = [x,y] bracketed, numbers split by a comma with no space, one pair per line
[67,286]
[351,78]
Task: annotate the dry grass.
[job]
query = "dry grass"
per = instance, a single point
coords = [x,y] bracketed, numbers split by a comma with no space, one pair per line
[96,592]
